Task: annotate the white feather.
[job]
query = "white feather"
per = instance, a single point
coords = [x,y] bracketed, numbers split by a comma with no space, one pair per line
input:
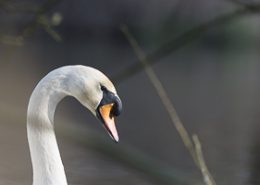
[81,82]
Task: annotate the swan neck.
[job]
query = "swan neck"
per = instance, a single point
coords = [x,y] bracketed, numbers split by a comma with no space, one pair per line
[46,160]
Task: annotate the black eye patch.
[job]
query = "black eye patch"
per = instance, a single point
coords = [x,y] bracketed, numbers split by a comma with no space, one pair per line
[109,97]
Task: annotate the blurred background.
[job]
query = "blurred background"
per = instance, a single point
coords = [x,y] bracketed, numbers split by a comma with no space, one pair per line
[206,54]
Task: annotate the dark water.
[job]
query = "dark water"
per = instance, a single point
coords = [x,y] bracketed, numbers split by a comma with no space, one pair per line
[215,94]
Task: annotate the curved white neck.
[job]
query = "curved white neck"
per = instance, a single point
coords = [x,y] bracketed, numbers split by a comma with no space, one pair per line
[81,82]
[46,161]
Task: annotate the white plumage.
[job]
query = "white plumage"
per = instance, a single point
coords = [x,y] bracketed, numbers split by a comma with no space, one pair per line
[83,83]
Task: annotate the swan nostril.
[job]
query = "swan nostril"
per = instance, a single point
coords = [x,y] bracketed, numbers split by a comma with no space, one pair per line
[111,115]
[117,108]
[114,112]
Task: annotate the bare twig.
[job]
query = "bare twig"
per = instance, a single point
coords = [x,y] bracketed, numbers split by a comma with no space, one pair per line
[40,20]
[193,148]
[208,179]
[187,37]
[162,94]
[43,20]
[29,29]
[125,155]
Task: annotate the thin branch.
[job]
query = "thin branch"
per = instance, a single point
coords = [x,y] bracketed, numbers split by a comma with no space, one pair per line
[43,20]
[187,37]
[207,177]
[38,19]
[194,149]
[162,93]
[29,29]
[125,155]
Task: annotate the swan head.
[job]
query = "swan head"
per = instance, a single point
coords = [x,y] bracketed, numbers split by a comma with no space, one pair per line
[97,93]
[108,108]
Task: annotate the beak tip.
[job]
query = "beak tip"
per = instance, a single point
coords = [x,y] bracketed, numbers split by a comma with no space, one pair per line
[116,139]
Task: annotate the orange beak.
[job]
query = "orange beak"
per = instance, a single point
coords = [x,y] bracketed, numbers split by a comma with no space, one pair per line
[109,121]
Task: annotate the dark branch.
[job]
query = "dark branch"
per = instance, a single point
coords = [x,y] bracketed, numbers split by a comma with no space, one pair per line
[187,37]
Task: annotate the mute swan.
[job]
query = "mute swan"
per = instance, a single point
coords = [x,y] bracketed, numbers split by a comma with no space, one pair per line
[92,89]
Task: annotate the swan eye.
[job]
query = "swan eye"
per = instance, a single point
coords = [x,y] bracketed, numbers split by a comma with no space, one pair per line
[103,88]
